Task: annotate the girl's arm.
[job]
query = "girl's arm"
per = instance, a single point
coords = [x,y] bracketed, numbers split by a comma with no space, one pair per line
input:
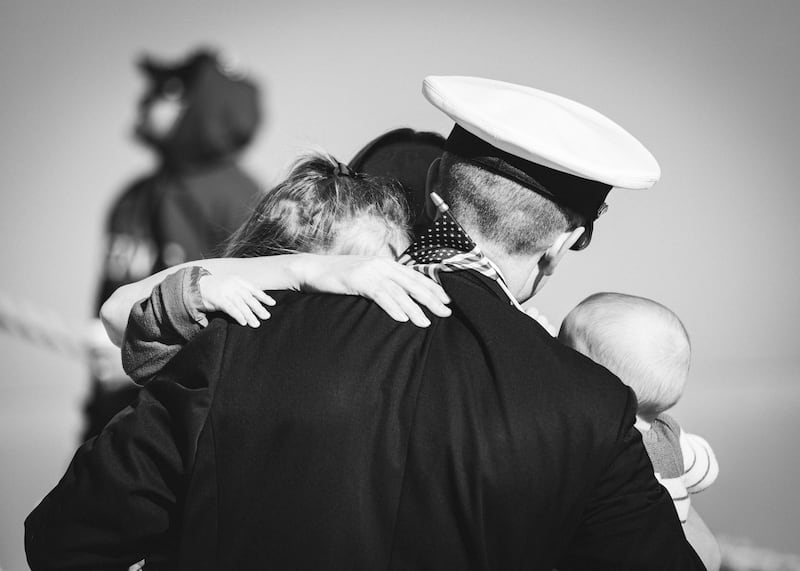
[394,287]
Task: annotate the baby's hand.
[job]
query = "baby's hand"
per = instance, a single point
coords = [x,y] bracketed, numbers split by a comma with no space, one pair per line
[543,321]
[234,296]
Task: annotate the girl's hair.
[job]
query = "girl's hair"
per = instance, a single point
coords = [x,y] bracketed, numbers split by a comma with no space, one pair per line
[321,207]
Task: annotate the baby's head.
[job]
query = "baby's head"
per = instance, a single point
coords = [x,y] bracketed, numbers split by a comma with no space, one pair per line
[637,339]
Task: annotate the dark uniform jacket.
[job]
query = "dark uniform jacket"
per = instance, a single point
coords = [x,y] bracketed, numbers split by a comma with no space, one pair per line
[335,438]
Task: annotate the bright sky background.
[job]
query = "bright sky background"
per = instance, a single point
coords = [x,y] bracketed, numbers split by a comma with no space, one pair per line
[710,88]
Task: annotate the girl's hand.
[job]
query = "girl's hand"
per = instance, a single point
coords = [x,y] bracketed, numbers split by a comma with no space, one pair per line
[237,297]
[399,290]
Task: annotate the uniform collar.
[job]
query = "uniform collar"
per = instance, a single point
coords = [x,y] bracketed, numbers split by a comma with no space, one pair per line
[446,247]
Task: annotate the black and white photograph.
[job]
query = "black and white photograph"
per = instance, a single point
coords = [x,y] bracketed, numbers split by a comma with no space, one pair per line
[399,286]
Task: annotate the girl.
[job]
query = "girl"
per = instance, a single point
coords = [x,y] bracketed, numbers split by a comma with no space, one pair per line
[324,228]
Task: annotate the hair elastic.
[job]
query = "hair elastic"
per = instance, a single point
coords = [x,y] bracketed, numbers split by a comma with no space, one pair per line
[342,169]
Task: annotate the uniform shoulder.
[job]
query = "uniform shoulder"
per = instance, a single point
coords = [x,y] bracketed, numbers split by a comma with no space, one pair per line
[198,362]
[591,382]
[564,374]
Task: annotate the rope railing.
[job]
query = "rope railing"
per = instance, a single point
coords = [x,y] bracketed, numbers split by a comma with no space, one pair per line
[41,326]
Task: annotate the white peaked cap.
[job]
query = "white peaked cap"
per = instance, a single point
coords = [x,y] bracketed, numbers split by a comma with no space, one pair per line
[545,129]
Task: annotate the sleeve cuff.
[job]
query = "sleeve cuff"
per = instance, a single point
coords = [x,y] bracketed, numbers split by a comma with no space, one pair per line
[192,300]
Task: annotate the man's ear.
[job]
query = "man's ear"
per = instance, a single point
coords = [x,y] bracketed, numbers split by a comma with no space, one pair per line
[432,185]
[552,256]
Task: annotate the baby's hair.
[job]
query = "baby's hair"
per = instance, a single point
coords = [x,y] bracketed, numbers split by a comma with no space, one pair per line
[641,341]
[316,208]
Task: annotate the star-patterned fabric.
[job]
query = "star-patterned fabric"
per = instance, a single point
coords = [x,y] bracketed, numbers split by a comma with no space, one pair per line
[446,247]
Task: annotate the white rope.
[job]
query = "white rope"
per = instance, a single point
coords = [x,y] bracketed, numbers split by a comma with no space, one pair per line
[41,326]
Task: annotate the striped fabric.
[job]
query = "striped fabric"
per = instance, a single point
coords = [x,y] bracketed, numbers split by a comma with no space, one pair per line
[700,464]
[683,463]
[677,491]
[700,470]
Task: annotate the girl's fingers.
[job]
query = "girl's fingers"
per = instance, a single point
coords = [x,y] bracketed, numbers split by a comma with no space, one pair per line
[426,283]
[249,316]
[231,309]
[431,286]
[262,297]
[421,291]
[390,306]
[407,305]
[244,287]
[256,305]
[430,301]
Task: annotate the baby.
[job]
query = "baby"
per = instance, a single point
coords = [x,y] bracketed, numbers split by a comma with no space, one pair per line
[647,347]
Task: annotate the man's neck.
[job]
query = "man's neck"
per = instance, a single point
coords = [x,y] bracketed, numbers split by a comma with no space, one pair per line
[518,271]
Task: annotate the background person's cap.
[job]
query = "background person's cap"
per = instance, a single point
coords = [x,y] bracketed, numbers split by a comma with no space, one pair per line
[557,147]
[184,70]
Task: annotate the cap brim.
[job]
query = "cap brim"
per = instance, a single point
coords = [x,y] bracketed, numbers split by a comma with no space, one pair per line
[586,238]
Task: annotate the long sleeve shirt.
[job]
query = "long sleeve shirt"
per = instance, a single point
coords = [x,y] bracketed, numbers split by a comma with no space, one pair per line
[162,323]
[683,463]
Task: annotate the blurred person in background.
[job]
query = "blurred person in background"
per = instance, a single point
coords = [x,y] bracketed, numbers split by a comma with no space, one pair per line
[197,117]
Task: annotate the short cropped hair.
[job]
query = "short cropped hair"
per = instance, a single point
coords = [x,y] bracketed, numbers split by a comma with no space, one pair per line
[507,213]
[315,209]
[641,341]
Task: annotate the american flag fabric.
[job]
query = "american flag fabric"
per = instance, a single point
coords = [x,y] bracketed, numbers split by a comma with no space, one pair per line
[446,247]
